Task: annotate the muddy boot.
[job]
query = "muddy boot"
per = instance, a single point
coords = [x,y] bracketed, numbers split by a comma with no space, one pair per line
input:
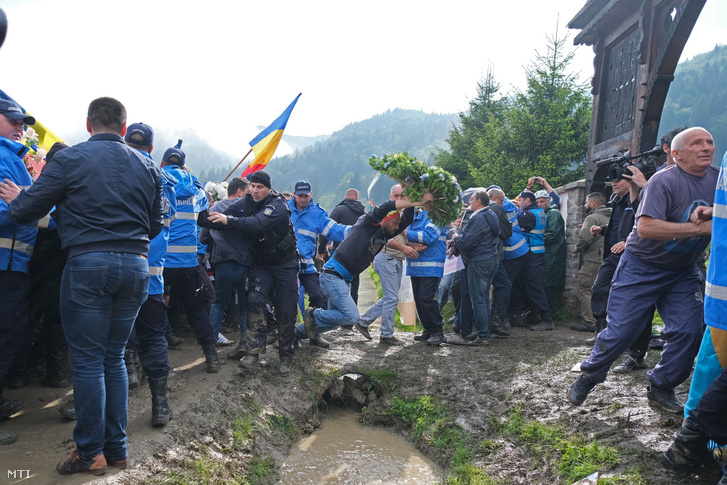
[286,365]
[688,452]
[600,325]
[210,355]
[129,357]
[56,369]
[161,413]
[546,322]
[496,327]
[68,410]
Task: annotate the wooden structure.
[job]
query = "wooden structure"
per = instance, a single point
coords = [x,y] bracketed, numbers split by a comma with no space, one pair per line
[637,45]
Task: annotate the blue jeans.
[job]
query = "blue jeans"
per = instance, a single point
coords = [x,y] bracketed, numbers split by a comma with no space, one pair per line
[229,276]
[341,308]
[389,270]
[444,286]
[476,297]
[101,294]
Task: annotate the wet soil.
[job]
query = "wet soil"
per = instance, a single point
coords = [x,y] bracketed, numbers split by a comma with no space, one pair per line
[530,370]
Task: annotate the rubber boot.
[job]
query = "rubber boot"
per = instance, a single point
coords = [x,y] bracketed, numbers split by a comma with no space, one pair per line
[210,354]
[688,452]
[129,360]
[546,322]
[161,413]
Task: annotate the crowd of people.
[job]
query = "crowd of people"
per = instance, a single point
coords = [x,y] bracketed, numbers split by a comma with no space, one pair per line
[119,266]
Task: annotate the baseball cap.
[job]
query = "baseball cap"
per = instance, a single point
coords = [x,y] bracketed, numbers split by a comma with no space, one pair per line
[140,130]
[175,151]
[302,188]
[540,194]
[528,195]
[13,111]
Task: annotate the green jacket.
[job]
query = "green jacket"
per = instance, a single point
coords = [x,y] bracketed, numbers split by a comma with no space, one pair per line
[591,247]
[554,266]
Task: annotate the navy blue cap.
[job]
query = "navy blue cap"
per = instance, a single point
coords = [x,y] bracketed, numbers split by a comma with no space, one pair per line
[175,151]
[528,195]
[144,134]
[302,188]
[13,111]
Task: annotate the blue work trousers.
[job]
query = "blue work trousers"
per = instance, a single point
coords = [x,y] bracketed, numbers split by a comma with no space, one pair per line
[637,286]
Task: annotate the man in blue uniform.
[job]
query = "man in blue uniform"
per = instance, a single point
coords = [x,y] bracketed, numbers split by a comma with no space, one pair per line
[16,246]
[533,221]
[150,324]
[425,271]
[658,267]
[181,273]
[310,221]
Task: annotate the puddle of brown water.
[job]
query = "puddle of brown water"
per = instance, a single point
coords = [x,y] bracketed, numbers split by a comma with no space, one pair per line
[343,451]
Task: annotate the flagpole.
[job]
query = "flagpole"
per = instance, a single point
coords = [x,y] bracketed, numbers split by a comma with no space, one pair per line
[238,164]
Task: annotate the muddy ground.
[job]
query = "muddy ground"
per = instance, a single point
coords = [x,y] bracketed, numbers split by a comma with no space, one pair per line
[221,428]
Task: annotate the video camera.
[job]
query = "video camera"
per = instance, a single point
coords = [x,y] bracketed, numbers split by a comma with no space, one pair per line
[616,167]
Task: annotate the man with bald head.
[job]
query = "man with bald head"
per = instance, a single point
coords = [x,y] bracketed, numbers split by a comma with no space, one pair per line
[658,267]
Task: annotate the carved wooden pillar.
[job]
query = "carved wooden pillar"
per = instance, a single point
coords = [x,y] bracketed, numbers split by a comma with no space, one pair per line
[637,45]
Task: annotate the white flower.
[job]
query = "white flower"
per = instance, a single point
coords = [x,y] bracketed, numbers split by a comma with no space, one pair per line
[39,155]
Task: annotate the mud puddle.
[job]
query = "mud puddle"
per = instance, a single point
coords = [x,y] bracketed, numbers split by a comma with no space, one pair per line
[343,451]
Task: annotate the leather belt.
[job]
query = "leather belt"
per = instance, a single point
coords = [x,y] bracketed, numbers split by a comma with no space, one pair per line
[332,271]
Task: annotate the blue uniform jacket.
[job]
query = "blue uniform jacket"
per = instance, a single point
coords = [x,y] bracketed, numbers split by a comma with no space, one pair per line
[516,245]
[158,245]
[16,240]
[308,224]
[430,261]
[183,232]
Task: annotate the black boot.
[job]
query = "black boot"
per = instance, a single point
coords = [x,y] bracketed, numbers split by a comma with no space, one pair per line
[210,354]
[688,452]
[129,360]
[161,413]
[600,326]
[546,322]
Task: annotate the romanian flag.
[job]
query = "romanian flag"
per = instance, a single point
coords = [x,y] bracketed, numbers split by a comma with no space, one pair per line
[265,144]
[46,138]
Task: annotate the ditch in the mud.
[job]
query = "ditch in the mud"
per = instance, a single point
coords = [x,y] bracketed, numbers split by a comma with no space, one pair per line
[343,450]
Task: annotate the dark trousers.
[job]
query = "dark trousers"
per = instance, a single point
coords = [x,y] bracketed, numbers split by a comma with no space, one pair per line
[711,412]
[425,298]
[355,281]
[149,327]
[277,284]
[502,287]
[309,281]
[602,285]
[183,283]
[529,266]
[13,317]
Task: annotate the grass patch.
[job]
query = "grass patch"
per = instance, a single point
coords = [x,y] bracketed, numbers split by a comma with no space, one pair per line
[281,423]
[574,455]
[259,469]
[562,315]
[383,380]
[433,424]
[242,428]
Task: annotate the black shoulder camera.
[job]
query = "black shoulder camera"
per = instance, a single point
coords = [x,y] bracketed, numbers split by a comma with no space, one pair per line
[647,162]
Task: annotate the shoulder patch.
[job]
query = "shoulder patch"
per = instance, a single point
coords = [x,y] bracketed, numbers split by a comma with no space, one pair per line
[268,210]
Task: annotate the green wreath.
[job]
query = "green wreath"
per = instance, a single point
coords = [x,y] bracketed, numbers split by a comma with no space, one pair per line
[416,178]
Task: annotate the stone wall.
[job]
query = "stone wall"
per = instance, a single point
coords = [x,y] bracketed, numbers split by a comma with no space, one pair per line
[573,196]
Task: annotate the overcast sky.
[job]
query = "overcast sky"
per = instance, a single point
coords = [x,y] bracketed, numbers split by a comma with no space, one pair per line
[223,68]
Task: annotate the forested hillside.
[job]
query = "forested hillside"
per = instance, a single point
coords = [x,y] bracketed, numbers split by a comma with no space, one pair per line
[698,97]
[341,161]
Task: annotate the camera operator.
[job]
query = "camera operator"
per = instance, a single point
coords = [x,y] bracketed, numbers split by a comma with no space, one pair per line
[658,267]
